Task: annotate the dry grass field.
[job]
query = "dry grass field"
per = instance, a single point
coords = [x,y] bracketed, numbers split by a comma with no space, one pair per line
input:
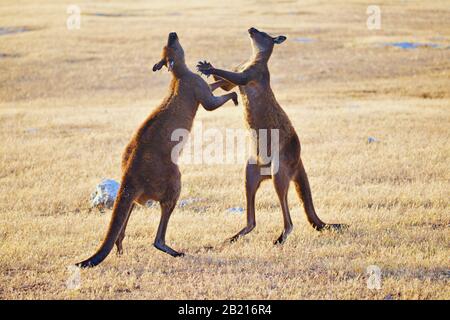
[70,100]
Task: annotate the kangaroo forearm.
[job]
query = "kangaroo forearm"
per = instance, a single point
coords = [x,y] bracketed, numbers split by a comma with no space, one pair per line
[239,79]
[223,84]
[213,86]
[216,102]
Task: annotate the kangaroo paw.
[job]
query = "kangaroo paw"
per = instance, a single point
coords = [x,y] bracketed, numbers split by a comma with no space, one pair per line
[235,99]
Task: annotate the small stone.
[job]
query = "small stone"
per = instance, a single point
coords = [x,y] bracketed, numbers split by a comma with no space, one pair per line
[185,202]
[150,204]
[32,130]
[372,140]
[236,210]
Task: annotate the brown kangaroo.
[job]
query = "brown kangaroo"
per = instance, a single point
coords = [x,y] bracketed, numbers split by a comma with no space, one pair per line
[149,171]
[262,111]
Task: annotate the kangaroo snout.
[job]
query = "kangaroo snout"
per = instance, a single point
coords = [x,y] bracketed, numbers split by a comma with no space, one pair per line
[252,30]
[172,37]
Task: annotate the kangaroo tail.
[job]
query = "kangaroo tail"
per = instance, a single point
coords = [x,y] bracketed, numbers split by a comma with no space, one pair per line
[304,191]
[121,210]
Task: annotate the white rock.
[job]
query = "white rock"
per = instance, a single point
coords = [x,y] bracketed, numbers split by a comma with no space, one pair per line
[105,193]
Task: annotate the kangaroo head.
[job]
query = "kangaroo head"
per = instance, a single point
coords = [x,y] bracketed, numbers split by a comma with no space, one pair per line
[172,55]
[262,42]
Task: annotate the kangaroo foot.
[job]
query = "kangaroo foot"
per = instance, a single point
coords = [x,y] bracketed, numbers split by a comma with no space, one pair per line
[241,233]
[282,238]
[119,251]
[233,238]
[167,249]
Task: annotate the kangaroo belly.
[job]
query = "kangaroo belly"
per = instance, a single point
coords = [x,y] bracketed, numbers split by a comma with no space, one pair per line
[261,115]
[270,124]
[150,158]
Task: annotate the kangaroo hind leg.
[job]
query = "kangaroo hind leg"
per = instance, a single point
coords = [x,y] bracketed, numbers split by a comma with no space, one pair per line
[122,232]
[281,180]
[167,207]
[253,179]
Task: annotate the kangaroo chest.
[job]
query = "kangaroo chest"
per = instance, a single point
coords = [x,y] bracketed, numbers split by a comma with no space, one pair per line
[259,106]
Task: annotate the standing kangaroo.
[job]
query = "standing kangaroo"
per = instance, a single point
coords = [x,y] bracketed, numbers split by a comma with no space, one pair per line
[262,111]
[149,172]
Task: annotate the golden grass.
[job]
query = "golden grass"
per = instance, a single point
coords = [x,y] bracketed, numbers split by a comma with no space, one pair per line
[70,101]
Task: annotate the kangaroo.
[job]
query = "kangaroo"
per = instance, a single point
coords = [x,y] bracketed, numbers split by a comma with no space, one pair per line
[262,111]
[149,172]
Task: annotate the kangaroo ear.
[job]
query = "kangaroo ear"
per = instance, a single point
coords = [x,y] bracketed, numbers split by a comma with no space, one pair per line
[159,65]
[279,39]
